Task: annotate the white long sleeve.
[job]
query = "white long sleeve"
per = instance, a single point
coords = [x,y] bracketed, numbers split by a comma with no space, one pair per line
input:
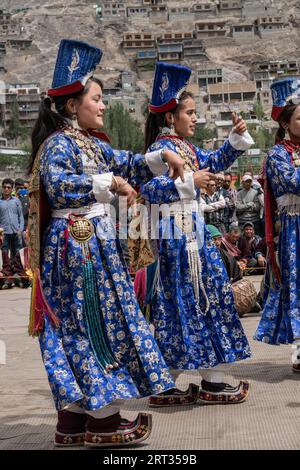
[240,142]
[186,189]
[101,185]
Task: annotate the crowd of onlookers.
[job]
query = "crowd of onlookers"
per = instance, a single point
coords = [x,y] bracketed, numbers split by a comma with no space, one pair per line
[14,208]
[238,215]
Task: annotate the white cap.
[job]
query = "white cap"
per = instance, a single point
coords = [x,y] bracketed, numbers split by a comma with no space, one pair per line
[247,178]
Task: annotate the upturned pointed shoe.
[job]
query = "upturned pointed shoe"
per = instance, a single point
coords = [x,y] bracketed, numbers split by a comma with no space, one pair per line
[296,367]
[228,395]
[175,397]
[127,433]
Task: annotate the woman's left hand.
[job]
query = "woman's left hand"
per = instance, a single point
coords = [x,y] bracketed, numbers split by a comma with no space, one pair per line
[175,163]
[239,125]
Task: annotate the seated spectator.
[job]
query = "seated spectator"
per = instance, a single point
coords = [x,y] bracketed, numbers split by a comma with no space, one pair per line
[245,296]
[212,205]
[230,241]
[248,245]
[233,270]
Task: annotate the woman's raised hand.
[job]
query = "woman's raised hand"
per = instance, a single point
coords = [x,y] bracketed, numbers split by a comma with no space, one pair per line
[239,125]
[202,177]
[175,163]
[123,188]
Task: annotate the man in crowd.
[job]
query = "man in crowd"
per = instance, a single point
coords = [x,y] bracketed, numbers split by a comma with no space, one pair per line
[21,190]
[248,206]
[230,196]
[233,270]
[212,205]
[12,223]
[249,245]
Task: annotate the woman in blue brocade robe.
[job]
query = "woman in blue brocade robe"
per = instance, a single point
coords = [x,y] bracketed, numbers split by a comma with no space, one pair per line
[280,321]
[85,283]
[196,323]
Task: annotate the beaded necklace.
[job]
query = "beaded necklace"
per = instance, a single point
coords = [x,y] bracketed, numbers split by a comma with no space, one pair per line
[87,146]
[183,149]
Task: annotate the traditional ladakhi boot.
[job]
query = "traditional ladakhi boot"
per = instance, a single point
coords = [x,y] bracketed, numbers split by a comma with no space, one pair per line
[175,397]
[70,429]
[221,393]
[116,431]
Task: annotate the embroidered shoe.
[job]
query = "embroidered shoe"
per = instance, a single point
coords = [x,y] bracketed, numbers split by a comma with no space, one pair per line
[68,440]
[175,397]
[127,433]
[296,367]
[225,395]
[70,429]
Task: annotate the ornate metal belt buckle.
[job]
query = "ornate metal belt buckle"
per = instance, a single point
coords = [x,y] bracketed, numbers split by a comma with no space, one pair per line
[81,229]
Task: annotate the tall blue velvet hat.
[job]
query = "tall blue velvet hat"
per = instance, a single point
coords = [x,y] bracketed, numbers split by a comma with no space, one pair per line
[170,80]
[75,64]
[284,92]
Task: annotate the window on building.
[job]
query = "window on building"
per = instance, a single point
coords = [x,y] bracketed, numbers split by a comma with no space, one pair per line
[235,96]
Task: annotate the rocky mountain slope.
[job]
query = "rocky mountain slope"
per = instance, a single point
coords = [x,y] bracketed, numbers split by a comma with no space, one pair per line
[47,23]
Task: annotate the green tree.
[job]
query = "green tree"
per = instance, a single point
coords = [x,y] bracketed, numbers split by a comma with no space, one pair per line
[263,138]
[123,131]
[16,131]
[202,134]
[259,110]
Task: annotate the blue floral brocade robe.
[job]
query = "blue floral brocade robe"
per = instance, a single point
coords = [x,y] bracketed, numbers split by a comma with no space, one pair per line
[189,337]
[280,321]
[73,370]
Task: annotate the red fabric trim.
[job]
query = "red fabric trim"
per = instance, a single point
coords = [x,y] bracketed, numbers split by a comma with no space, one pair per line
[100,135]
[291,146]
[163,108]
[276,111]
[66,90]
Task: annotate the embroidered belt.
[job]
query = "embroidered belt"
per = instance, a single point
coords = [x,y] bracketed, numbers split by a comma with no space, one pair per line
[80,226]
[289,204]
[88,212]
